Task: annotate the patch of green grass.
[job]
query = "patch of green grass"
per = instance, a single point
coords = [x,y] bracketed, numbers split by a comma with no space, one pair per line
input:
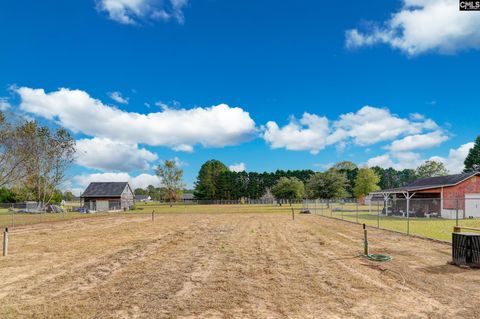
[434,228]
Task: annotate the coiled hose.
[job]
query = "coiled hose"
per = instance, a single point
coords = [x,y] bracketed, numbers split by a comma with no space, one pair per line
[379,257]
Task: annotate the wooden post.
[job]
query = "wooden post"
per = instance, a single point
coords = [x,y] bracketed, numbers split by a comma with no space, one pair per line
[153,215]
[293,214]
[356,209]
[365,240]
[457,229]
[5,242]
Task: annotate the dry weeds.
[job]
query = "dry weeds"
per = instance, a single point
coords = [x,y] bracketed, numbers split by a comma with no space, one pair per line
[227,266]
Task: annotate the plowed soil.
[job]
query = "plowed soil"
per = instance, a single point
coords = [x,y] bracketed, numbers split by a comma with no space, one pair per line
[228,266]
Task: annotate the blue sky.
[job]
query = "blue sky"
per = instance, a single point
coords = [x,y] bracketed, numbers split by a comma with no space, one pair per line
[267,84]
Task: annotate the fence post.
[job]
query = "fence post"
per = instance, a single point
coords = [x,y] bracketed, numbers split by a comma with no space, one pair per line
[378,215]
[357,211]
[153,215]
[365,240]
[13,215]
[293,214]
[5,242]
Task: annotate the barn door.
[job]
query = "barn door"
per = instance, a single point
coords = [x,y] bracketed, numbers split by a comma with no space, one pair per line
[472,205]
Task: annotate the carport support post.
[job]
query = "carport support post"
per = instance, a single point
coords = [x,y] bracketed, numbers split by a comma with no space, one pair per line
[385,198]
[408,197]
[408,214]
[5,242]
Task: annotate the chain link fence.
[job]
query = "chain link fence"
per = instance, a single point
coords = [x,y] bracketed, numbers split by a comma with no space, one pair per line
[425,217]
[25,213]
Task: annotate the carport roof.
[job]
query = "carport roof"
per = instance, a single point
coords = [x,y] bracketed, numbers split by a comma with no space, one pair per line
[430,183]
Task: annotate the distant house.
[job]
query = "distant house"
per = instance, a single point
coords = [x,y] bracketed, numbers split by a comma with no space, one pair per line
[187,197]
[443,196]
[108,196]
[142,198]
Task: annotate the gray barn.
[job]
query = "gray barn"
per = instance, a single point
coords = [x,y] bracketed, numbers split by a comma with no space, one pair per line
[108,196]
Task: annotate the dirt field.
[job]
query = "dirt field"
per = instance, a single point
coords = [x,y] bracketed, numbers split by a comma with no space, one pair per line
[227,266]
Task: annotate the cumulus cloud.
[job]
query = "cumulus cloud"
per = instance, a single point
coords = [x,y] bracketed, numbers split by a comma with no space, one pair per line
[179,129]
[371,125]
[117,97]
[401,160]
[238,167]
[367,126]
[4,104]
[422,26]
[454,162]
[419,141]
[108,155]
[135,11]
[139,181]
[310,133]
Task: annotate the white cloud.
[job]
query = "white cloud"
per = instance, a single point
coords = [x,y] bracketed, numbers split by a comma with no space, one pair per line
[179,129]
[384,161]
[139,181]
[422,26]
[238,167]
[179,162]
[398,160]
[456,158]
[4,104]
[371,125]
[417,116]
[105,154]
[117,97]
[401,160]
[367,126]
[135,11]
[310,133]
[419,141]
[183,148]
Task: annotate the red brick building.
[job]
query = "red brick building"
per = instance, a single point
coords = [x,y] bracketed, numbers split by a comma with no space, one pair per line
[443,196]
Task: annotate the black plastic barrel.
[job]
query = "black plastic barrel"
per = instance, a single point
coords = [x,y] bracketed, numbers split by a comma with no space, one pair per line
[466,249]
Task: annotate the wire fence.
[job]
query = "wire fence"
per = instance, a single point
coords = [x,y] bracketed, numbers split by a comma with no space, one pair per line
[19,214]
[426,217]
[432,218]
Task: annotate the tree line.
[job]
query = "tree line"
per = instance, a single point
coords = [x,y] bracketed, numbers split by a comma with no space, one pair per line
[344,179]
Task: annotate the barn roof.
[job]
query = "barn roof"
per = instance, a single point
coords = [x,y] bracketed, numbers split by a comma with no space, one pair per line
[104,189]
[431,182]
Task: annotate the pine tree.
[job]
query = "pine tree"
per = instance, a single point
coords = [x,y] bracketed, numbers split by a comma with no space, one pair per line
[472,162]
